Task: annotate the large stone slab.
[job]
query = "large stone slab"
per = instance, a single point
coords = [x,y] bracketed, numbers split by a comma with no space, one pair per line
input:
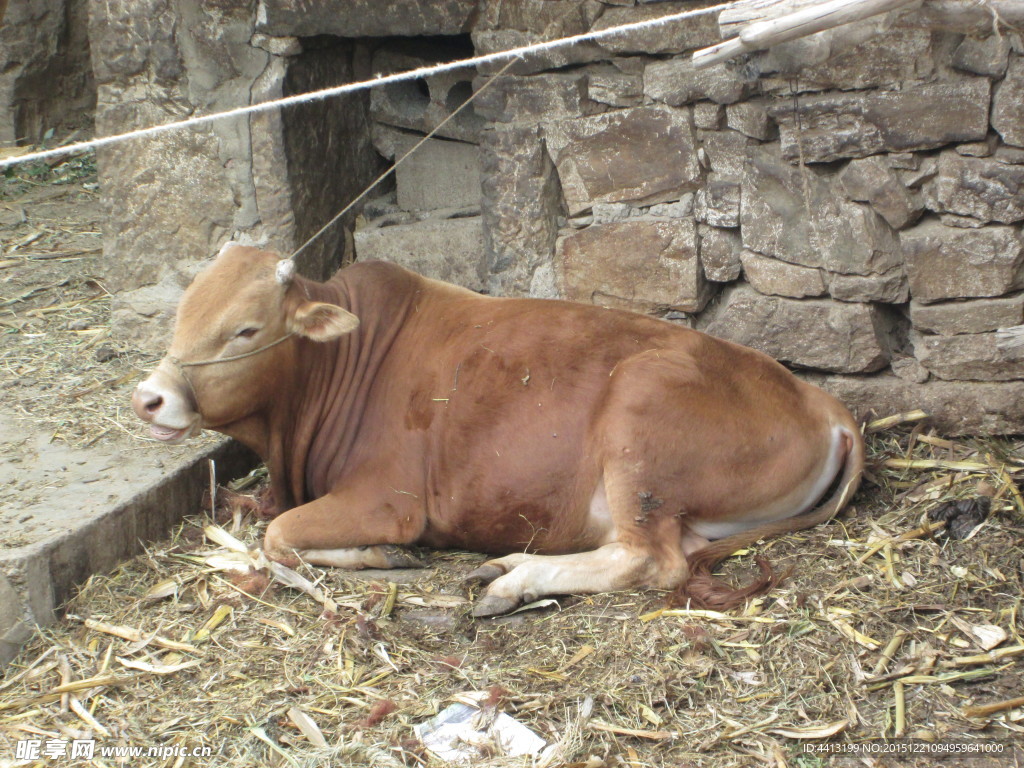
[440,174]
[1008,104]
[720,253]
[530,99]
[965,19]
[968,357]
[505,24]
[971,316]
[751,119]
[809,333]
[273,179]
[365,18]
[872,180]
[890,287]
[980,187]
[676,81]
[618,84]
[857,56]
[825,127]
[426,104]
[444,249]
[522,201]
[46,80]
[645,155]
[643,264]
[69,513]
[145,219]
[793,214]
[779,278]
[953,263]
[983,55]
[708,116]
[954,408]
[142,73]
[673,37]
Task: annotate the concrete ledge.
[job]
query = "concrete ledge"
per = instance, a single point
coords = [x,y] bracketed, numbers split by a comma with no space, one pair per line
[37,577]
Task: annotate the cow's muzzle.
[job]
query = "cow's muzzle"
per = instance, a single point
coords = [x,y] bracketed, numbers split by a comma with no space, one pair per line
[167,408]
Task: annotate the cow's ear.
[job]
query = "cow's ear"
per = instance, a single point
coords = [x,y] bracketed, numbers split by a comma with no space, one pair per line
[322,322]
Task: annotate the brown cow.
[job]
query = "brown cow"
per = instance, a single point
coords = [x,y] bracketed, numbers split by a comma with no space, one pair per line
[393,410]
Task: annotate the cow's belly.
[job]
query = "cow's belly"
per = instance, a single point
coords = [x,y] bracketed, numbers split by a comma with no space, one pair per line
[499,517]
[509,466]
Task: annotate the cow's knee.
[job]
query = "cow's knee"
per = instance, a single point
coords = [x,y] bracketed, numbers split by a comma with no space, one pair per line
[275,541]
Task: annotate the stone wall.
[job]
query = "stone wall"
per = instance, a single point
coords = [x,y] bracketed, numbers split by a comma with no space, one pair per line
[270,179]
[850,203]
[46,84]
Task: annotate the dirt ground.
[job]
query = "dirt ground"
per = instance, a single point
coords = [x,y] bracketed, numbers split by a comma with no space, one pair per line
[887,627]
[68,438]
[58,360]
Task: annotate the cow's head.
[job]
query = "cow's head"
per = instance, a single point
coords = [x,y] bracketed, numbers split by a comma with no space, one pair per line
[233,340]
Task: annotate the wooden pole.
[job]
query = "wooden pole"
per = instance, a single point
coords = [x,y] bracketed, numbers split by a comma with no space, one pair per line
[806,21]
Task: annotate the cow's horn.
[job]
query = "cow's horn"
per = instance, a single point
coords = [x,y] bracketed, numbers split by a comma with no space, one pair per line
[228,244]
[285,271]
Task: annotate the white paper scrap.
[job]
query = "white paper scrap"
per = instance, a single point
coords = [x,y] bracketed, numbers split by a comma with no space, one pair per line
[464,735]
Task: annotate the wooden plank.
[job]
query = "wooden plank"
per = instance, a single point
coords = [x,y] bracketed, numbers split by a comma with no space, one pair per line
[815,18]
[807,20]
[714,54]
[732,20]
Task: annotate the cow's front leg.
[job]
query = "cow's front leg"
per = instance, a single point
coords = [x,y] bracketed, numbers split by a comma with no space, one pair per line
[331,531]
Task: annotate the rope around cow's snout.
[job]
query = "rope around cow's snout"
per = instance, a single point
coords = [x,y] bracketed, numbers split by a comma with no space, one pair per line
[181,366]
[215,360]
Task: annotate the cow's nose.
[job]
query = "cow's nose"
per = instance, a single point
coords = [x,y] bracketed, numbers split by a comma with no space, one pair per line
[146,403]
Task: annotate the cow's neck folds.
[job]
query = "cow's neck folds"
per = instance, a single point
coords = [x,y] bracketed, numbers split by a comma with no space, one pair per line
[310,432]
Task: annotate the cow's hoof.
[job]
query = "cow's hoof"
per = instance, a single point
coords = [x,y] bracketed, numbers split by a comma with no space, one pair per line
[485,574]
[400,557]
[493,605]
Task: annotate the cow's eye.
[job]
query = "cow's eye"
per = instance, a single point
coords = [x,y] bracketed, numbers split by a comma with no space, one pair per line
[247,333]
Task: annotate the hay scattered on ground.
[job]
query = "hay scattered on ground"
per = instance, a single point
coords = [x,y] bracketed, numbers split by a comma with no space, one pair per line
[61,368]
[887,627]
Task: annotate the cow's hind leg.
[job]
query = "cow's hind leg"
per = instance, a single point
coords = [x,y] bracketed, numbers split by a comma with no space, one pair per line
[637,553]
[523,578]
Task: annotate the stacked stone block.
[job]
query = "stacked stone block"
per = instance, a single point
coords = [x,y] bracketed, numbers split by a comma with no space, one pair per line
[270,179]
[430,220]
[859,221]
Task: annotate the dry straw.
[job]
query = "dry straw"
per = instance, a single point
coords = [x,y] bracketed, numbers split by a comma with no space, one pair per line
[886,628]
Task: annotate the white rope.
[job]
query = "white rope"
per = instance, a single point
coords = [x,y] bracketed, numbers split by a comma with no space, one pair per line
[414,74]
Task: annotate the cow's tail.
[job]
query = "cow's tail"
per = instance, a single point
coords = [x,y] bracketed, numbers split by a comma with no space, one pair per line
[702,590]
